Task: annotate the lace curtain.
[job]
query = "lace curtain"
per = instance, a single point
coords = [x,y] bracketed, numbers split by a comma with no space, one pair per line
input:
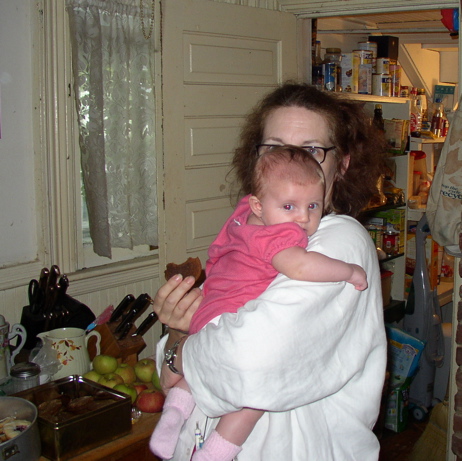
[113,68]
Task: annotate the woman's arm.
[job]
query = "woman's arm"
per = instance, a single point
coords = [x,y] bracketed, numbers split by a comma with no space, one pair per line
[175,304]
[311,266]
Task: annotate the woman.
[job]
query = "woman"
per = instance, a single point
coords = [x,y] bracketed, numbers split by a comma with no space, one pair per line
[312,354]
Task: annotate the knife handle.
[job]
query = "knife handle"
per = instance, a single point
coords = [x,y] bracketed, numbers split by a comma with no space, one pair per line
[125,331]
[136,308]
[121,308]
[127,319]
[147,323]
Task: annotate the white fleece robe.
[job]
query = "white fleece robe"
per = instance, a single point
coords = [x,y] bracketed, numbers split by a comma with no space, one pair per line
[313,355]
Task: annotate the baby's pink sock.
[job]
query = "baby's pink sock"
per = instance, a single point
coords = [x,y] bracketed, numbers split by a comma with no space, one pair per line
[216,448]
[177,408]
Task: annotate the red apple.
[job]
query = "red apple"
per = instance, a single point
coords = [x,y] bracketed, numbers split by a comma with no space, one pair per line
[144,369]
[140,387]
[150,401]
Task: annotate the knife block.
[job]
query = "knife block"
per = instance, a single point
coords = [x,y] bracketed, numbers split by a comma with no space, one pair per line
[125,350]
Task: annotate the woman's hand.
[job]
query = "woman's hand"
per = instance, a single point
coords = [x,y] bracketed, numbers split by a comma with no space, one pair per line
[175,304]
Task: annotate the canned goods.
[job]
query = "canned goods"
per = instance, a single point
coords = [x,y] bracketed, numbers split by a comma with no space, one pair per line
[365,56]
[404,93]
[383,65]
[365,79]
[364,71]
[329,69]
[369,46]
[372,48]
[381,84]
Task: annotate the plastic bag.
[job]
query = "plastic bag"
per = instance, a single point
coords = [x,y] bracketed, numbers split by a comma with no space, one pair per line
[47,359]
[444,202]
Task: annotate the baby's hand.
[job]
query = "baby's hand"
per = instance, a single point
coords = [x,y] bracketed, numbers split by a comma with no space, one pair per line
[358,277]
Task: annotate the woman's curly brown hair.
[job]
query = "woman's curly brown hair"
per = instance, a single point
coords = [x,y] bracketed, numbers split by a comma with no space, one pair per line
[350,130]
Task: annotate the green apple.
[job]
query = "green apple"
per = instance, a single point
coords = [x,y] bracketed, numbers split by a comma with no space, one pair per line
[92,376]
[144,369]
[104,364]
[110,380]
[128,389]
[156,381]
[127,372]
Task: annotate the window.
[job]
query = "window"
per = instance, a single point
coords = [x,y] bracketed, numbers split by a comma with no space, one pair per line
[113,63]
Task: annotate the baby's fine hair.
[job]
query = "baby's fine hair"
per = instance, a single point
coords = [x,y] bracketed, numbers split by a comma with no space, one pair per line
[290,163]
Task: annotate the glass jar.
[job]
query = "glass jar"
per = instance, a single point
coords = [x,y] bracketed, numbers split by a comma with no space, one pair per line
[24,375]
[332,69]
[391,242]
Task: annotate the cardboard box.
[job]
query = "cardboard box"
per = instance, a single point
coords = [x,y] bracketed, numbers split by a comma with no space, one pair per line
[397,413]
[396,134]
[404,352]
[446,94]
[350,72]
[387,46]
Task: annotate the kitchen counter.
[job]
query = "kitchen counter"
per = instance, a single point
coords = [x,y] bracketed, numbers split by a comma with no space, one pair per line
[133,446]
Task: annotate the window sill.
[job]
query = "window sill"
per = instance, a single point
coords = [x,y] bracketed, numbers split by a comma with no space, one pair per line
[113,275]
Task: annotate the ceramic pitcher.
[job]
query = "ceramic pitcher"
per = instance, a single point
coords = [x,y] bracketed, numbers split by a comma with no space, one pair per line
[71,347]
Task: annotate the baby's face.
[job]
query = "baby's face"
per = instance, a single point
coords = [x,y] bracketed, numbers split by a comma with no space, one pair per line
[283,201]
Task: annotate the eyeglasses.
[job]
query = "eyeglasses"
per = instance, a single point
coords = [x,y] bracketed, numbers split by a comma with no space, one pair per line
[318,153]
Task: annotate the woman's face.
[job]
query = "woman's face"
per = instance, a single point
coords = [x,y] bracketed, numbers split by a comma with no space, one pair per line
[302,127]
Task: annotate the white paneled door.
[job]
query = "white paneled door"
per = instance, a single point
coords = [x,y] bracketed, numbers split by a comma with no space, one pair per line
[218,60]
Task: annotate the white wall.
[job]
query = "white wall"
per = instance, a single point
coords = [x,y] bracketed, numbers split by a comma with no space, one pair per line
[427,62]
[18,226]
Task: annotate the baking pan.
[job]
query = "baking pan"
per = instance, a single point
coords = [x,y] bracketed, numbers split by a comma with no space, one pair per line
[76,415]
[25,446]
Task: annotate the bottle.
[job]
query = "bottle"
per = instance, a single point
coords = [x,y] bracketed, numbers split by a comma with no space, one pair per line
[437,125]
[446,127]
[423,103]
[317,59]
[317,78]
[378,117]
[422,98]
[416,115]
[332,70]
